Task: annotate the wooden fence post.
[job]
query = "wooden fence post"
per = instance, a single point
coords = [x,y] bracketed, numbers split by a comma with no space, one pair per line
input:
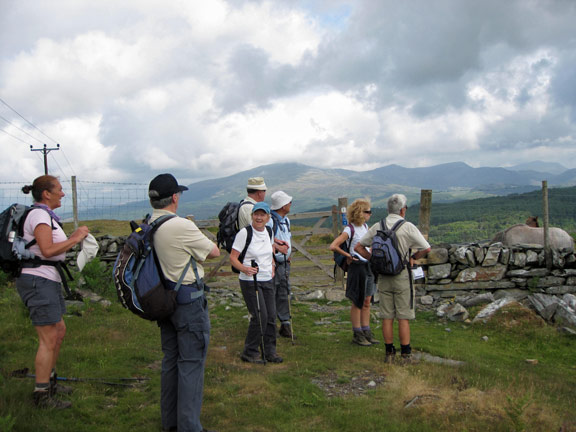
[336,226]
[340,213]
[547,250]
[424,216]
[335,218]
[74,202]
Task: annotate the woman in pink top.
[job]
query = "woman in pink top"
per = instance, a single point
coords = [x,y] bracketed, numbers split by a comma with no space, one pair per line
[40,286]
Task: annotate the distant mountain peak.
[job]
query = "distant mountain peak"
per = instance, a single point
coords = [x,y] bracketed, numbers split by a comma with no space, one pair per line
[540,166]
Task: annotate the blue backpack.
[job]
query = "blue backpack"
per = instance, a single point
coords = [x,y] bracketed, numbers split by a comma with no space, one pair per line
[138,277]
[386,258]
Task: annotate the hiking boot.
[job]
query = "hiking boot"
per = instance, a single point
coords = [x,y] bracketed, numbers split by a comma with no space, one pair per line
[57,388]
[63,389]
[390,356]
[407,359]
[285,331]
[275,358]
[251,359]
[42,399]
[370,337]
[360,339]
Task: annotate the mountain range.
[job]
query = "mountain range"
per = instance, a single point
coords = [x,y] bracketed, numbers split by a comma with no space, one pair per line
[319,188]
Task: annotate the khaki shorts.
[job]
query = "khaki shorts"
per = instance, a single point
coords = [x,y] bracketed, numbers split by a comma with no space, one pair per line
[394,295]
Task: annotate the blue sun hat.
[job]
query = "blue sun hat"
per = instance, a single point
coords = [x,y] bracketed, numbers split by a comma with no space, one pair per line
[261,206]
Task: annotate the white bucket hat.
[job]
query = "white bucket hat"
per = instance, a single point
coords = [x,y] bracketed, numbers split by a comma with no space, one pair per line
[279,200]
[89,250]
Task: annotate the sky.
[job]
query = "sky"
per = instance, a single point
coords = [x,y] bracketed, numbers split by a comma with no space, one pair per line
[205,89]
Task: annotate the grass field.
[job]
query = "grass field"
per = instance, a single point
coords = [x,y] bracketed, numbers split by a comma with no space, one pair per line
[324,384]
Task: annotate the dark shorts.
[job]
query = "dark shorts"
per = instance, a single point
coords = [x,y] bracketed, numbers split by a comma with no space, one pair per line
[43,298]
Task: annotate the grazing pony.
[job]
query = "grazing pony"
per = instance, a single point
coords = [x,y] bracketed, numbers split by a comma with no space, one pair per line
[522,234]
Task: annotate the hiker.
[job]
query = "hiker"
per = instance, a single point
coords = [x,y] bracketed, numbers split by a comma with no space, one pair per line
[360,286]
[256,192]
[257,285]
[40,287]
[396,292]
[281,204]
[186,333]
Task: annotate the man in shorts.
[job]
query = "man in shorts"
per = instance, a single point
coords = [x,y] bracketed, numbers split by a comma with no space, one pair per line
[396,292]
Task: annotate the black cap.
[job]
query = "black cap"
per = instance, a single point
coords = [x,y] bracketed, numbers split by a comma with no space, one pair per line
[163,186]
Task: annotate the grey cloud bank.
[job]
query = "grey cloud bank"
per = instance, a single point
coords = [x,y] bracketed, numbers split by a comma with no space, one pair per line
[142,87]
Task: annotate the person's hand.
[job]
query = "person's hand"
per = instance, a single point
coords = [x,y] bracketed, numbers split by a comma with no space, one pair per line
[249,271]
[80,234]
[282,247]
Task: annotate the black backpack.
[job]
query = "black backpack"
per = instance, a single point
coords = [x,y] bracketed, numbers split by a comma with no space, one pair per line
[386,258]
[11,232]
[228,226]
[249,234]
[342,260]
[15,251]
[138,277]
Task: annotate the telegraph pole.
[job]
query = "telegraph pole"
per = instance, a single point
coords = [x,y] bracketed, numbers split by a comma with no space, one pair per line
[45,150]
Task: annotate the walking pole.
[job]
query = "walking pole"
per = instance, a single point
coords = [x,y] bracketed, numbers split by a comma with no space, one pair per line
[23,373]
[254,264]
[289,304]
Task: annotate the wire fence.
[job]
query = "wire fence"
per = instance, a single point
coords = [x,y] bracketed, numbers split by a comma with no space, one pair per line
[96,200]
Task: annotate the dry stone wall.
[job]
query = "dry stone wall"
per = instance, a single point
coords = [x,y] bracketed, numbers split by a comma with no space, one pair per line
[472,269]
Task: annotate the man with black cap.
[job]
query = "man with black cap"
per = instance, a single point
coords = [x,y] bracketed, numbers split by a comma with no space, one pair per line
[186,333]
[256,192]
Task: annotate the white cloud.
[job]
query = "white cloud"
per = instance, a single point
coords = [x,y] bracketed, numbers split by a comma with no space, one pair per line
[141,86]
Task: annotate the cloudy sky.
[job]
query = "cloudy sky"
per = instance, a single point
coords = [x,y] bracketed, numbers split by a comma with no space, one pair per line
[131,88]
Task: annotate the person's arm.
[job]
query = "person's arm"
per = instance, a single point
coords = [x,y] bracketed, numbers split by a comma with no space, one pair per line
[361,250]
[215,252]
[335,245]
[419,254]
[280,246]
[235,262]
[43,236]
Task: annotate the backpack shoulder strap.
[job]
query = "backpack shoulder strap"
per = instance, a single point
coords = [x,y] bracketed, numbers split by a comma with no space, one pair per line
[398,224]
[275,222]
[158,222]
[33,207]
[155,224]
[269,231]
[351,235]
[249,233]
[236,221]
[383,224]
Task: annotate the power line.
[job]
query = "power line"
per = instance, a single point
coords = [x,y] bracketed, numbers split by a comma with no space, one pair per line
[28,121]
[20,129]
[13,136]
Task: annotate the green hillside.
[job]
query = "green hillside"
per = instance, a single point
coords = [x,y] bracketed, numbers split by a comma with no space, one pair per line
[480,219]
